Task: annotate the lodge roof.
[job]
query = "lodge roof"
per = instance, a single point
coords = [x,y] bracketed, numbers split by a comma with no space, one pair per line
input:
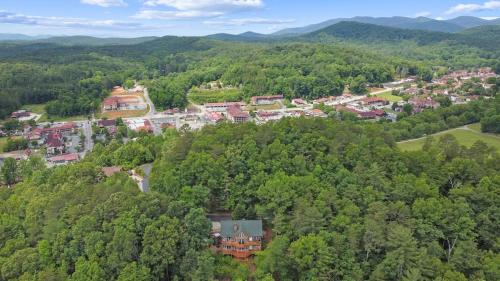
[230,228]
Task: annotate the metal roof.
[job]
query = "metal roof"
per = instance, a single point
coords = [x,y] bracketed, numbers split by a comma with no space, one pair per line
[231,228]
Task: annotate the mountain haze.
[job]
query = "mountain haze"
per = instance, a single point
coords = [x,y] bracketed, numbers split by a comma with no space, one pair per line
[421,23]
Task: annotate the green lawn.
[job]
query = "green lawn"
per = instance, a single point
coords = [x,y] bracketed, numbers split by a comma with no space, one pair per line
[476,127]
[3,141]
[389,97]
[465,137]
[35,108]
[198,96]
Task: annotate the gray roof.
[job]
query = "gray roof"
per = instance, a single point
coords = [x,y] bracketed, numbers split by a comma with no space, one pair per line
[230,228]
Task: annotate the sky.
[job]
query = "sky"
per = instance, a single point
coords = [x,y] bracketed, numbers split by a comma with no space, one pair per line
[135,18]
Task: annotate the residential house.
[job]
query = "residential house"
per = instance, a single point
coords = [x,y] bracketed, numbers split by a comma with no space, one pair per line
[299,102]
[261,100]
[266,116]
[221,106]
[213,117]
[54,143]
[20,114]
[241,238]
[373,101]
[64,159]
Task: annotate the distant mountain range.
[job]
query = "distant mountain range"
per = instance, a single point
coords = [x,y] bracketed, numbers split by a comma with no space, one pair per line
[74,40]
[19,37]
[421,23]
[471,31]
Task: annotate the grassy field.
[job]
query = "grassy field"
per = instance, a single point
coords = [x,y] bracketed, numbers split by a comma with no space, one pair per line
[3,141]
[389,97]
[124,113]
[466,137]
[274,106]
[198,96]
[35,108]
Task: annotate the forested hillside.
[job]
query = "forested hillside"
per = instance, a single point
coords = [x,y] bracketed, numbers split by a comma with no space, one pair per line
[339,198]
[311,66]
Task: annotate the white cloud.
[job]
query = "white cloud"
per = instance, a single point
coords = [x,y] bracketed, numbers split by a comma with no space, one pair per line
[192,9]
[204,5]
[174,15]
[247,21]
[62,22]
[422,14]
[489,18]
[439,18]
[469,8]
[105,3]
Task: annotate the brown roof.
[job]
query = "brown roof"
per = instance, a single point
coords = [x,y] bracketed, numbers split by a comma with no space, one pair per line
[64,158]
[106,123]
[236,112]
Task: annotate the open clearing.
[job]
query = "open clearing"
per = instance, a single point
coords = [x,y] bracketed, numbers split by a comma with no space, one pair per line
[466,136]
[389,97]
[199,96]
[124,113]
[3,141]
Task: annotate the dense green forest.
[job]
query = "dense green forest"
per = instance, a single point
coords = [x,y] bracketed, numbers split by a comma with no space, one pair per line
[74,79]
[341,200]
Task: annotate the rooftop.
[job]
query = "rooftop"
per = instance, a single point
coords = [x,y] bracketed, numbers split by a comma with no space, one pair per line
[230,228]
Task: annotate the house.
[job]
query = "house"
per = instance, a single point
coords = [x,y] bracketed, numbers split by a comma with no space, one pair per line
[325,100]
[372,114]
[236,115]
[299,102]
[241,238]
[294,113]
[64,159]
[139,125]
[172,111]
[54,143]
[373,101]
[111,103]
[422,103]
[213,117]
[316,113]
[106,123]
[260,100]
[20,114]
[124,103]
[64,129]
[221,106]
[265,116]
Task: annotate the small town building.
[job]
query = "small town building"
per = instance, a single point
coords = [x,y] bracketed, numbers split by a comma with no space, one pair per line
[213,117]
[236,115]
[299,102]
[260,100]
[64,159]
[221,106]
[20,114]
[265,116]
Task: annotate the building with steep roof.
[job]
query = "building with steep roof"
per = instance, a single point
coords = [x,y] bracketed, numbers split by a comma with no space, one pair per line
[241,238]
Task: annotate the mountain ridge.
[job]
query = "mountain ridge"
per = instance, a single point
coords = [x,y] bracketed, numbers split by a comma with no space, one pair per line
[420,23]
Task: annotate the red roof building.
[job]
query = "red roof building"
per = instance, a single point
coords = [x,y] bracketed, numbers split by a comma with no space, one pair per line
[266,99]
[236,115]
[65,158]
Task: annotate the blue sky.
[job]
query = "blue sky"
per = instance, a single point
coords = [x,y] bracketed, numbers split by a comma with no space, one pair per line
[132,18]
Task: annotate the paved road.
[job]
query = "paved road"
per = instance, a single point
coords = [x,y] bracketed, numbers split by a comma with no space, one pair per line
[152,109]
[87,132]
